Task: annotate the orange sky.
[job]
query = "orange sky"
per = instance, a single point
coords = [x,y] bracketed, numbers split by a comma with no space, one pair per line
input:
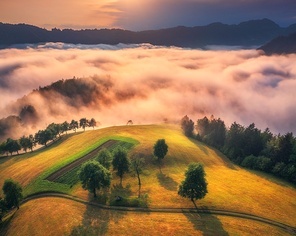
[61,13]
[143,14]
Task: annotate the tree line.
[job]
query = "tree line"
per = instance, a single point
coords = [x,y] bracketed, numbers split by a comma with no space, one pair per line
[52,132]
[248,146]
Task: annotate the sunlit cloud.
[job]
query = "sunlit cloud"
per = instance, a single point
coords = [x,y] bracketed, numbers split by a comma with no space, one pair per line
[149,84]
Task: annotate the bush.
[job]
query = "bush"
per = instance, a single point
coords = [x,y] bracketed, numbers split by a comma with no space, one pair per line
[263,163]
[278,168]
[249,162]
[130,201]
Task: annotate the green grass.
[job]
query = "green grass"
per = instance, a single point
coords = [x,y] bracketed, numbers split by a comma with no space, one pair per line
[40,184]
[71,178]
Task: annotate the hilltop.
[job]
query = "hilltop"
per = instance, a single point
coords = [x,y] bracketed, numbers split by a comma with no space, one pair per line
[230,187]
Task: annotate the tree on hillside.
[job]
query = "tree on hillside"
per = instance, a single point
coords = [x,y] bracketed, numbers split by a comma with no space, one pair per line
[137,165]
[74,125]
[187,126]
[94,176]
[234,142]
[160,150]
[211,131]
[43,137]
[12,146]
[285,148]
[252,141]
[55,130]
[194,186]
[104,158]
[65,127]
[13,193]
[3,149]
[121,162]
[83,123]
[92,123]
[27,142]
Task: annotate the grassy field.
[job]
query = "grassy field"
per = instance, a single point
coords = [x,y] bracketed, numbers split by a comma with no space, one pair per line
[230,187]
[65,217]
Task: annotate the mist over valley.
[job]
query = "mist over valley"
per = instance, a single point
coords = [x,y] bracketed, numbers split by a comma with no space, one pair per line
[145,83]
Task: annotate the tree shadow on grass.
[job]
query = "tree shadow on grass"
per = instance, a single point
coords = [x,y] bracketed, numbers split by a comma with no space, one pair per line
[167,182]
[119,190]
[209,224]
[4,225]
[96,221]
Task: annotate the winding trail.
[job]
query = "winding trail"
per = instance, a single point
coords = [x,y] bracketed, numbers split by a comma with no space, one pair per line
[288,228]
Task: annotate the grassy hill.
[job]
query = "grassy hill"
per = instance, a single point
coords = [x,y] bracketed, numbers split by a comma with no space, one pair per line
[230,187]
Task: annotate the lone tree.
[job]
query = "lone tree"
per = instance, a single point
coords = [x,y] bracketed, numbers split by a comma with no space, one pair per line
[137,165]
[121,162]
[194,186]
[94,176]
[160,150]
[104,158]
[13,193]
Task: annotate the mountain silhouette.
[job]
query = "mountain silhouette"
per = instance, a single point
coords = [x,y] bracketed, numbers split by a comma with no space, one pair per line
[249,33]
[281,45]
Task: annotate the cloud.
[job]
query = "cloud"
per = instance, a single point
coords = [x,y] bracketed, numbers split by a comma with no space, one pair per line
[149,84]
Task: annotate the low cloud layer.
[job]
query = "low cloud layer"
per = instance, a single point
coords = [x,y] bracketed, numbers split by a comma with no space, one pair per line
[147,84]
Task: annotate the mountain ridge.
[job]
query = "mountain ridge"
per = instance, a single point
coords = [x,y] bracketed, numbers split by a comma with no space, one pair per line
[280,45]
[248,33]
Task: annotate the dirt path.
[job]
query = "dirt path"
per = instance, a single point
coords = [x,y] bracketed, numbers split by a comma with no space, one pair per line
[288,228]
[54,176]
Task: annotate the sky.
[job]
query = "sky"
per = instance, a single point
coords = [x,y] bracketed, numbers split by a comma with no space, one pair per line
[143,14]
[148,84]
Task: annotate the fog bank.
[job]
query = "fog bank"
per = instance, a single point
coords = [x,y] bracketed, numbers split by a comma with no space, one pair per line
[149,84]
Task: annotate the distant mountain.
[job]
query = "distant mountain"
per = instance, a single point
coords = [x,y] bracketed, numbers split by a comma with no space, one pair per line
[250,33]
[281,45]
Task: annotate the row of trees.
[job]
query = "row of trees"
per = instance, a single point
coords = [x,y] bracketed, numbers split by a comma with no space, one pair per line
[247,146]
[42,137]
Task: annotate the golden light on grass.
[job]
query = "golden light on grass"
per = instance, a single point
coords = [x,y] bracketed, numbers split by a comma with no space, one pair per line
[229,186]
[56,216]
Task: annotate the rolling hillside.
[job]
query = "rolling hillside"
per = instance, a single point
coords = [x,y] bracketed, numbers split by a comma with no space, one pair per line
[230,187]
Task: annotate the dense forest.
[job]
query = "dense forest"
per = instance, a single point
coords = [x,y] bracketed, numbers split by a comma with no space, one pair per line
[248,146]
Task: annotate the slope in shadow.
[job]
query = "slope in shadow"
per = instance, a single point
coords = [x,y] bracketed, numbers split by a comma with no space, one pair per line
[167,182]
[209,224]
[96,221]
